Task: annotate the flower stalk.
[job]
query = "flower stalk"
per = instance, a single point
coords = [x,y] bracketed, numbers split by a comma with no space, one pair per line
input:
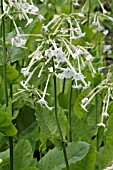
[89,10]
[56,116]
[69,112]
[4,57]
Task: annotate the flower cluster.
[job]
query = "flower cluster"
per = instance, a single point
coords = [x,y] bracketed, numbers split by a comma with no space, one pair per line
[108,87]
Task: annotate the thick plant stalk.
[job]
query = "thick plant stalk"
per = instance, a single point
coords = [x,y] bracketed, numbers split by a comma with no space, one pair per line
[69,113]
[5,81]
[57,121]
[89,10]
[63,87]
[71,6]
[4,57]
[10,137]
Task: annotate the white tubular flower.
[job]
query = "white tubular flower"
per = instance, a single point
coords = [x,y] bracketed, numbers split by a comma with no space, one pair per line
[106,48]
[94,21]
[105,114]
[24,85]
[60,55]
[81,14]
[58,51]
[84,107]
[99,28]
[85,101]
[67,73]
[29,21]
[33,9]
[89,57]
[101,124]
[76,3]
[43,102]
[59,59]
[18,42]
[45,28]
[41,17]
[105,32]
[25,71]
[49,53]
[77,86]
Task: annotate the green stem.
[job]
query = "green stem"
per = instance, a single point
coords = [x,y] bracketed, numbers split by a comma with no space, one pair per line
[96,121]
[11,138]
[69,113]
[71,6]
[57,121]
[4,57]
[89,10]
[63,87]
[11,152]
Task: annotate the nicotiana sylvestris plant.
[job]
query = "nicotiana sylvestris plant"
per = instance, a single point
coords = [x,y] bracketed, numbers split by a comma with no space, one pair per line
[58,71]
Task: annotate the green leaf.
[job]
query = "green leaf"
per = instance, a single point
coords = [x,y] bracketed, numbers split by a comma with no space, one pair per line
[16,54]
[110,108]
[87,163]
[110,125]
[5,158]
[11,73]
[54,159]
[79,129]
[23,155]
[108,151]
[6,126]
[47,121]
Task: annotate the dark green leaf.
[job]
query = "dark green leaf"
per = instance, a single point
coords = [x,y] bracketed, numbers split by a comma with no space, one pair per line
[23,155]
[54,159]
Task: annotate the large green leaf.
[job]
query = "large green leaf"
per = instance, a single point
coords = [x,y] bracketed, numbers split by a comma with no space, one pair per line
[6,126]
[87,163]
[11,73]
[54,159]
[47,121]
[110,125]
[108,151]
[23,155]
[79,129]
[5,158]
[16,54]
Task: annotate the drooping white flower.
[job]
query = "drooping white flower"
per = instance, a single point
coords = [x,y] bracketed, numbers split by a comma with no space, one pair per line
[44,103]
[49,53]
[25,71]
[105,32]
[29,21]
[76,3]
[60,55]
[45,28]
[81,14]
[101,124]
[106,48]
[18,42]
[41,17]
[24,85]
[105,114]
[84,107]
[77,52]
[85,101]
[94,22]
[67,73]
